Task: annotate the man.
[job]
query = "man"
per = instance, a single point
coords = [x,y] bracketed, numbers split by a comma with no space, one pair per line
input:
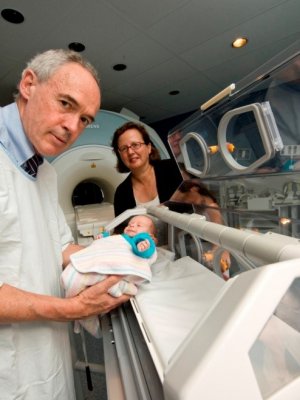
[58,97]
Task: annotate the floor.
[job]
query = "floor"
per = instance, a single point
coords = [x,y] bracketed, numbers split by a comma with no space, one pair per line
[95,358]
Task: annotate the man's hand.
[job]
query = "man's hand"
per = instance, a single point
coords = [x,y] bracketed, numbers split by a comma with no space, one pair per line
[95,300]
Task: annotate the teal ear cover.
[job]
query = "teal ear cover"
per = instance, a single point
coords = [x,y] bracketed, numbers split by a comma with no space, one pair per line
[138,238]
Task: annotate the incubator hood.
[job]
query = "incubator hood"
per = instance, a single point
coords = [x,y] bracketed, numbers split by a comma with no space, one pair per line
[254,129]
[246,148]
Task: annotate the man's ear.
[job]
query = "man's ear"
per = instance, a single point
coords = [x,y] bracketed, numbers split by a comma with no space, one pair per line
[27,83]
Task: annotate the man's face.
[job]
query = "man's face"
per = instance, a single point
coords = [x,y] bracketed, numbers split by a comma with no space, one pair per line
[55,112]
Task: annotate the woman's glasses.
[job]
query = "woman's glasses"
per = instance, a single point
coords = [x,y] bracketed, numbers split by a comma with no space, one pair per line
[134,146]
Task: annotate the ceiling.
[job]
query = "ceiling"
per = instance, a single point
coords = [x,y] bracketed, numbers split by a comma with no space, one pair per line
[167,45]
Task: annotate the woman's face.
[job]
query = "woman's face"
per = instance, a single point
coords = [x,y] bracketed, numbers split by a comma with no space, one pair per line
[174,142]
[133,158]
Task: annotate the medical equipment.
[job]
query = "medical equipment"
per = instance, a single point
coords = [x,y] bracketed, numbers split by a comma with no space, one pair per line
[91,220]
[202,331]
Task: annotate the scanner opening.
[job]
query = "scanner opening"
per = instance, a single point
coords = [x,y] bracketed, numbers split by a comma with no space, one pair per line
[87,192]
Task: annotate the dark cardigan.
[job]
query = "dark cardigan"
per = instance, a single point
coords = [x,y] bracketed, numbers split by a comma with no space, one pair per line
[168,178]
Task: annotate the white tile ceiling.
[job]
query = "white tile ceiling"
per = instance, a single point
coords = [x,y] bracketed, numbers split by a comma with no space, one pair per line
[166,44]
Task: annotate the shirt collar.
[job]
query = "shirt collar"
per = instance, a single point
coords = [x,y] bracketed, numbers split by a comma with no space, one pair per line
[13,137]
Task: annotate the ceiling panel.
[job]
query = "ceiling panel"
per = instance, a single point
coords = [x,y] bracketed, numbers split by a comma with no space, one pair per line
[166,44]
[236,69]
[42,18]
[140,54]
[282,23]
[199,21]
[162,75]
[194,90]
[145,13]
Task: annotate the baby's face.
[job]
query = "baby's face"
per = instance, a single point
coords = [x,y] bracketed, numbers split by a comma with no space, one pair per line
[139,224]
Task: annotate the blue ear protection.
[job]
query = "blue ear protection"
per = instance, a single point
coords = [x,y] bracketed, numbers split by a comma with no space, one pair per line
[138,238]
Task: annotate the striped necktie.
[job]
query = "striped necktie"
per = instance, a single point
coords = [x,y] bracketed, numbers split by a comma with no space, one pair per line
[32,164]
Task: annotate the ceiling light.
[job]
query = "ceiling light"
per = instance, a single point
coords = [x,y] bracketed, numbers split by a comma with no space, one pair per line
[13,16]
[174,92]
[239,42]
[76,46]
[119,67]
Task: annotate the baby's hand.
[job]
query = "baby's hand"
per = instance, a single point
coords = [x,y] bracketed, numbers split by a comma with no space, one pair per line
[143,245]
[101,235]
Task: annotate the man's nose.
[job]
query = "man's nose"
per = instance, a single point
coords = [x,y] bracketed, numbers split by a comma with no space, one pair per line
[72,124]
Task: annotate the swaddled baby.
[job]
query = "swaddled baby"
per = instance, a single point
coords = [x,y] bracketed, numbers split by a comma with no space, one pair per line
[129,254]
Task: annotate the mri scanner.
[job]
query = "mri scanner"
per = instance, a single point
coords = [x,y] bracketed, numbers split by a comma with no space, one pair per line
[195,332]
[91,161]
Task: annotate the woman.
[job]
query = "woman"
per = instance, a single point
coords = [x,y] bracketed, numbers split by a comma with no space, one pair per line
[151,180]
[195,192]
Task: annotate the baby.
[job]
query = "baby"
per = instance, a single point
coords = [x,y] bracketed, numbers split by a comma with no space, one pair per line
[129,254]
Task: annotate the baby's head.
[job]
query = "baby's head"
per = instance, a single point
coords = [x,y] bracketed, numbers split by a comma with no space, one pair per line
[140,223]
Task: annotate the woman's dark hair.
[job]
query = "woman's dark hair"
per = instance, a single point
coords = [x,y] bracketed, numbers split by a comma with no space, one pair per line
[186,186]
[153,156]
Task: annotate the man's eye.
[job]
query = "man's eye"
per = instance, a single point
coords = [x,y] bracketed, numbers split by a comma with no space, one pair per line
[65,104]
[85,121]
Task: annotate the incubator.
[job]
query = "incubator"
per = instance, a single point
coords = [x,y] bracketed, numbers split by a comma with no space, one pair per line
[246,150]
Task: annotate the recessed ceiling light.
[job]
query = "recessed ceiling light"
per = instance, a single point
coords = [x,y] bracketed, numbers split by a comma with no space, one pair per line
[174,92]
[76,46]
[119,67]
[13,16]
[239,42]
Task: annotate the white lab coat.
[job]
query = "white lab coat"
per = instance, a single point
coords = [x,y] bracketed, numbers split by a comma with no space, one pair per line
[35,357]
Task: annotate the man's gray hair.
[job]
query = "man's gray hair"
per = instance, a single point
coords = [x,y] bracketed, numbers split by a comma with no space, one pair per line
[47,63]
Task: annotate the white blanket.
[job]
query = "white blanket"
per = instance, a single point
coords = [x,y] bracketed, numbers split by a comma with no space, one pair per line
[111,255]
